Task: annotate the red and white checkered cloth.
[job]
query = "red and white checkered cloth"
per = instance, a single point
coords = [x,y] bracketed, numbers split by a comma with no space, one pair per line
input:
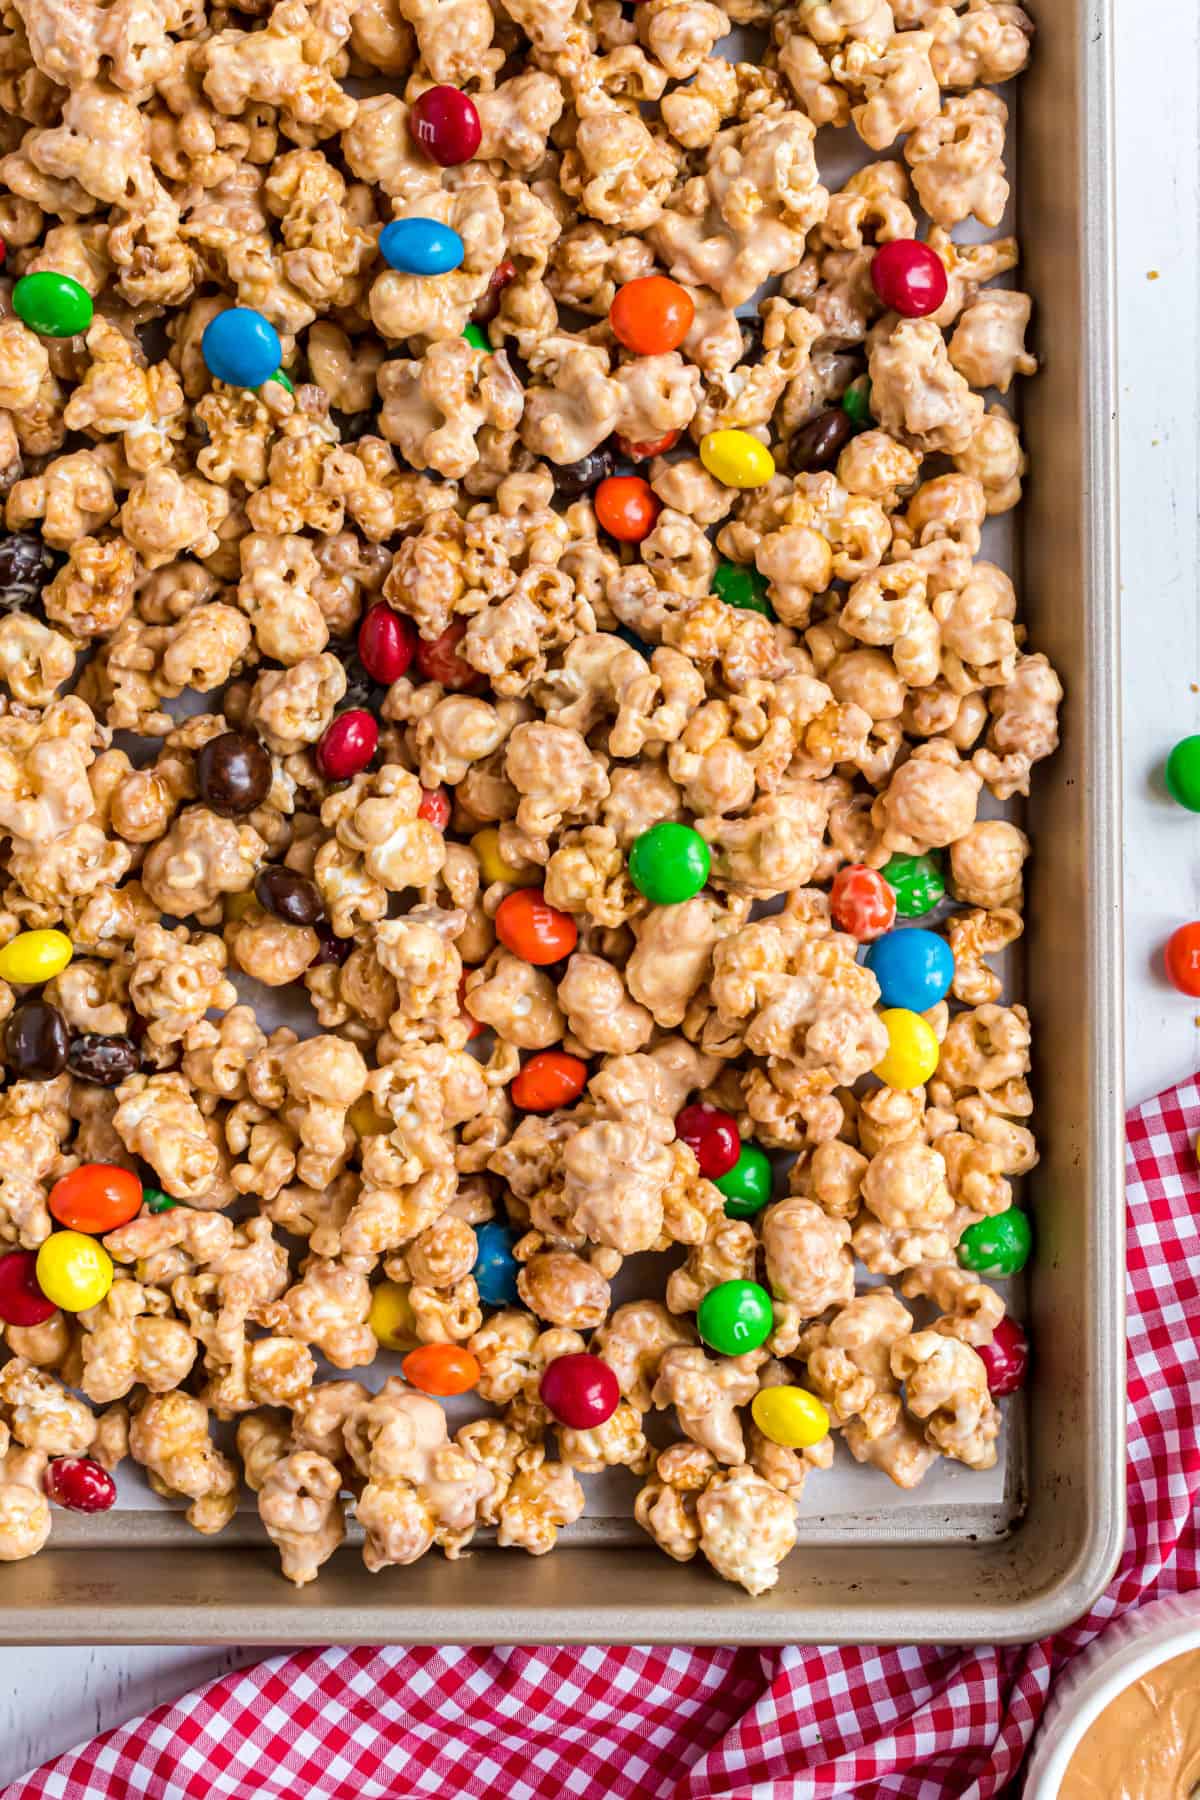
[645,1724]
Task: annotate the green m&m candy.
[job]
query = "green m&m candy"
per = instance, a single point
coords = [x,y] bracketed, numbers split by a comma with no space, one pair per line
[735,1317]
[284,380]
[917,884]
[54,305]
[747,1186]
[1183,773]
[669,863]
[856,402]
[997,1246]
[155,1201]
[477,337]
[738,584]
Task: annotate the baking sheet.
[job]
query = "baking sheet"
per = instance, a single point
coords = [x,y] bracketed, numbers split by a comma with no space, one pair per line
[962,1557]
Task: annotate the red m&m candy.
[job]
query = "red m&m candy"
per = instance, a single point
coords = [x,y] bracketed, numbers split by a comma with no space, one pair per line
[435,807]
[438,659]
[909,277]
[712,1136]
[79,1483]
[22,1301]
[445,122]
[1182,957]
[348,745]
[387,643]
[861,902]
[1006,1359]
[581,1391]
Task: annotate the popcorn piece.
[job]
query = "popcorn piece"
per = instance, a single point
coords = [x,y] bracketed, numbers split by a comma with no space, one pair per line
[808,1260]
[544,1497]
[971,1309]
[957,160]
[42,1414]
[633,1342]
[202,857]
[169,1436]
[24,1509]
[973,936]
[995,459]
[747,1527]
[706,1394]
[157,1119]
[946,1385]
[434,409]
[1024,727]
[744,219]
[560,1287]
[898,83]
[917,394]
[299,1503]
[929,802]
[131,1340]
[986,864]
[420,1488]
[988,346]
[904,1190]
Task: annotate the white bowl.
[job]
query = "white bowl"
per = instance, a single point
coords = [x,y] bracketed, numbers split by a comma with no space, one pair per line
[1128,1649]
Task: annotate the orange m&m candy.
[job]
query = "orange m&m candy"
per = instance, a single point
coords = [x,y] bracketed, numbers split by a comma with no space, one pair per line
[1182,957]
[534,930]
[626,507]
[96,1197]
[549,1080]
[441,1369]
[651,315]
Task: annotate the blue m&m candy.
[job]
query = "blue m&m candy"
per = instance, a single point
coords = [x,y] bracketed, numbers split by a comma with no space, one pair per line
[241,347]
[421,247]
[914,968]
[495,1268]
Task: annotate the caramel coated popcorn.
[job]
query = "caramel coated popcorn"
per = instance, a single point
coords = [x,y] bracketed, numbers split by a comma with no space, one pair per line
[338,712]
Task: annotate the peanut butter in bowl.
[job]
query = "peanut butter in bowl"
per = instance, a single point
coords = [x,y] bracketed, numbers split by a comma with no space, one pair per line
[1145,1745]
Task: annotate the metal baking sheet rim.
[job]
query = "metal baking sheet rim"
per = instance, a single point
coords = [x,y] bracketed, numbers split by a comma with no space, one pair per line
[1048,1570]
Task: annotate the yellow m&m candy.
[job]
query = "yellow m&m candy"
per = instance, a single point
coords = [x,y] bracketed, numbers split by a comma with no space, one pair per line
[912,1052]
[493,866]
[790,1416]
[74,1271]
[35,956]
[391,1317]
[736,458]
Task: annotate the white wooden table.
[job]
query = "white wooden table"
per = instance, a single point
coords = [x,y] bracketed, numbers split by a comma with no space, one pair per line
[51,1698]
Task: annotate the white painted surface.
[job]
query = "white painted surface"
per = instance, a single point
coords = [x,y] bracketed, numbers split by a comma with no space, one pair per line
[51,1698]
[1158,207]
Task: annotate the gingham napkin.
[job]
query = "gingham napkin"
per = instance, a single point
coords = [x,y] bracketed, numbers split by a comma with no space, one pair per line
[646,1724]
